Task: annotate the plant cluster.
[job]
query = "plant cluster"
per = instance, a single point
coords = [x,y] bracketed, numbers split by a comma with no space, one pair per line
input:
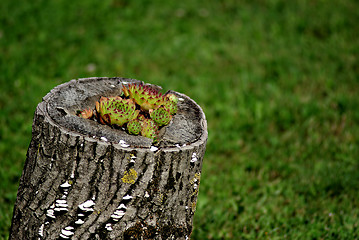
[140,110]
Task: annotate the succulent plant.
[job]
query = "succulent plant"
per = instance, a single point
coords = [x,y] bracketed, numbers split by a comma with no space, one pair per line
[86,113]
[142,110]
[149,129]
[160,115]
[172,97]
[116,111]
[170,106]
[134,127]
[171,103]
[147,97]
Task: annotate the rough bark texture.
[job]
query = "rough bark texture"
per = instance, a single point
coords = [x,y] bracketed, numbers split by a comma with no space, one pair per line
[83,180]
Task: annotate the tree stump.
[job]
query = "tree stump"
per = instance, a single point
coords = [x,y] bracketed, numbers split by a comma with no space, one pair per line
[84,180]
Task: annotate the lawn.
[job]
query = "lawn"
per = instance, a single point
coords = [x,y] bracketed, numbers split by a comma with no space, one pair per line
[278,81]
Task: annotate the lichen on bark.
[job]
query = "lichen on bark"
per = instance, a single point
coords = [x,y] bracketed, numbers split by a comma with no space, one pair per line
[130,176]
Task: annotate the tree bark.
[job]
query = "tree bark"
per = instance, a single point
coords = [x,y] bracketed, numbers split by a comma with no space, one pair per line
[84,180]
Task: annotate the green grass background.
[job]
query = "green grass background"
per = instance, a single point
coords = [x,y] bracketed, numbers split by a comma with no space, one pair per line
[278,81]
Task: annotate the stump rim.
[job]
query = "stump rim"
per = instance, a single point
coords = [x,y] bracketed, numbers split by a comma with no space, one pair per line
[44,105]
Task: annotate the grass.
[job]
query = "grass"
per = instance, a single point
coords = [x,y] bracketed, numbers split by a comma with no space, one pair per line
[278,81]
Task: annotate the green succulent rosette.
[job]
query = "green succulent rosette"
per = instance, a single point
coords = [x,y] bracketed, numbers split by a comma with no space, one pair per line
[160,115]
[116,111]
[149,129]
[134,127]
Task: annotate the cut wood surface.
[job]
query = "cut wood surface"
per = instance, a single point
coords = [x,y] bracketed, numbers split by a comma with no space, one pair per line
[84,180]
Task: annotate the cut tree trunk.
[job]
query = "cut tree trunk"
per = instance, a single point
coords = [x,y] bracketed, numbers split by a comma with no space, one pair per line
[84,180]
